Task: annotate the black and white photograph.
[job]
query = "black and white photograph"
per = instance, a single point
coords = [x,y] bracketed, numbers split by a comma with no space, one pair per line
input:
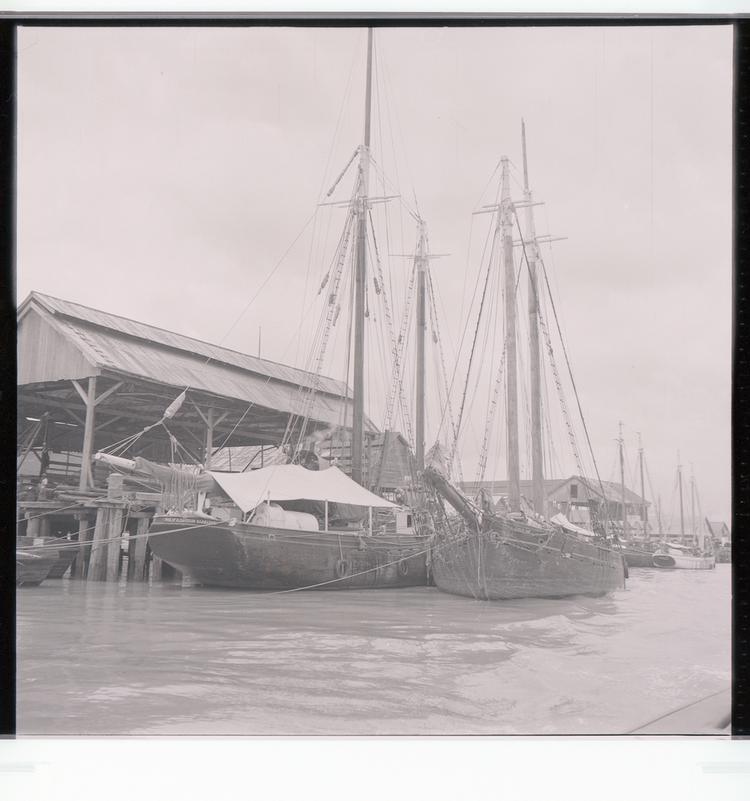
[374,380]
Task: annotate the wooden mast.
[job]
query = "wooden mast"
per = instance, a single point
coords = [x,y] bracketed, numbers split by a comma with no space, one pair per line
[421,259]
[360,280]
[506,227]
[692,504]
[644,505]
[532,257]
[622,482]
[682,514]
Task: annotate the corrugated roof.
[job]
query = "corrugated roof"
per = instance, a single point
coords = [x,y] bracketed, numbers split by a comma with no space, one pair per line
[136,330]
[128,347]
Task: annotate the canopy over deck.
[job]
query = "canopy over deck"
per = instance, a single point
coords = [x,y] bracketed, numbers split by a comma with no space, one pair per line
[293,483]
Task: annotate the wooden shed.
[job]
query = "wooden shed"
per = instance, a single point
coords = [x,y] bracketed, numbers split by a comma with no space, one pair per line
[89,379]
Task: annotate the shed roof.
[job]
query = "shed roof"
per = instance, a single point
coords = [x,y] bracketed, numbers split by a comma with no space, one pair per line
[124,347]
[83,322]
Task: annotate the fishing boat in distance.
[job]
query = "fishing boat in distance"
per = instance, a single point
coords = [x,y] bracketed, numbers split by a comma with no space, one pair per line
[491,553]
[699,554]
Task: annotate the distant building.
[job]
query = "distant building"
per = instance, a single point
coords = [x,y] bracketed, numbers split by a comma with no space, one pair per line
[719,530]
[575,497]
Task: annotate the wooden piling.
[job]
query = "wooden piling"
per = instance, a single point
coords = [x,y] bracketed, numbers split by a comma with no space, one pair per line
[104,562]
[137,551]
[81,564]
[156,565]
[32,526]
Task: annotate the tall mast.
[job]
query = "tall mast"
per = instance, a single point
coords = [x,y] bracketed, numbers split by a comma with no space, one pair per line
[682,513]
[360,280]
[644,505]
[622,481]
[658,516]
[692,503]
[532,256]
[506,228]
[421,264]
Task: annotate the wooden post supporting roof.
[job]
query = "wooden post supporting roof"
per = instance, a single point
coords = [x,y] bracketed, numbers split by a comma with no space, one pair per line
[89,398]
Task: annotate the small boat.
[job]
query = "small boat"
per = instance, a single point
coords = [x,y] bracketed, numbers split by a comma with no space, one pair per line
[663,560]
[685,558]
[66,552]
[33,568]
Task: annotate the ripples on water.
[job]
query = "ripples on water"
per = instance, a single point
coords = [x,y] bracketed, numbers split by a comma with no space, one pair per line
[102,659]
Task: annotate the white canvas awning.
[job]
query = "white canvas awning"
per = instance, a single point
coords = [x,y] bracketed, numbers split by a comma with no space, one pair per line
[563,521]
[290,482]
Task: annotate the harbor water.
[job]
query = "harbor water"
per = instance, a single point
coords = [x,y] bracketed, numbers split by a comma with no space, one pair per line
[165,659]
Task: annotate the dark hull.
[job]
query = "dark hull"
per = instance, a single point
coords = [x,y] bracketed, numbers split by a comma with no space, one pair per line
[663,560]
[31,569]
[65,555]
[637,558]
[723,556]
[488,567]
[259,558]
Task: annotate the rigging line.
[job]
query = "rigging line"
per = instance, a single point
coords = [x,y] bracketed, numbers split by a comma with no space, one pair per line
[474,342]
[492,232]
[48,512]
[471,228]
[444,372]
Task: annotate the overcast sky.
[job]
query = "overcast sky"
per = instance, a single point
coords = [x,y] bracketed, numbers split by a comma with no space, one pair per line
[163,174]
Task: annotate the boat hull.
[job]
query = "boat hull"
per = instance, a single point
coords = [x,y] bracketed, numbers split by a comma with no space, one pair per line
[65,555]
[245,556]
[694,562]
[637,558]
[491,568]
[32,569]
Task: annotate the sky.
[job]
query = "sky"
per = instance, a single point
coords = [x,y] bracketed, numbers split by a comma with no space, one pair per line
[174,175]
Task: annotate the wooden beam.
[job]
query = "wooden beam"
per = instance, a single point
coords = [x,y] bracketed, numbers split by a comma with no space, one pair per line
[108,392]
[108,422]
[72,414]
[203,416]
[80,390]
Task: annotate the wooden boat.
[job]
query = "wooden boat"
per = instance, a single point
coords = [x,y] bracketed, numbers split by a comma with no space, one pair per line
[723,555]
[699,555]
[284,527]
[490,554]
[637,557]
[65,554]
[687,558]
[281,538]
[32,568]
[254,557]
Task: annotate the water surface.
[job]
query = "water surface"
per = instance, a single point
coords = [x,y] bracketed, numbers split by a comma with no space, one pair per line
[96,658]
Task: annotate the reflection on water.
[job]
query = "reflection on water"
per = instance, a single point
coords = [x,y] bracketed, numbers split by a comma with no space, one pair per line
[102,659]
